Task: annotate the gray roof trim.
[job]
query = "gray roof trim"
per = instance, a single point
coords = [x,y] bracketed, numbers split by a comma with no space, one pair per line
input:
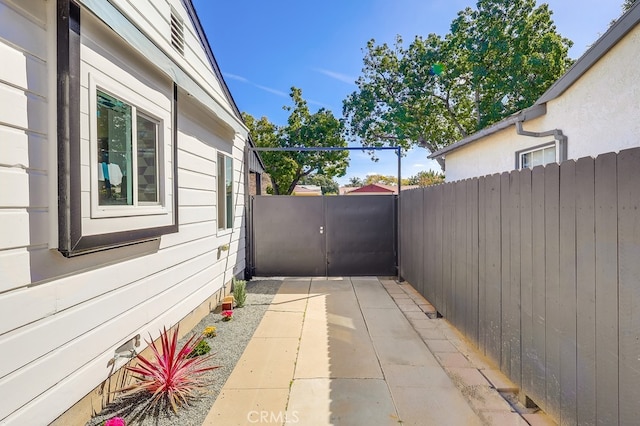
[523,115]
[614,34]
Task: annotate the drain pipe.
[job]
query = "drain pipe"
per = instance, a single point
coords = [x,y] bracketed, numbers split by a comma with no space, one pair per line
[556,133]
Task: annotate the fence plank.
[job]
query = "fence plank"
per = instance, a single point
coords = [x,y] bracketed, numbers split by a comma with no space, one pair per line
[552,286]
[438,239]
[606,289]
[526,283]
[586,293]
[538,350]
[448,237]
[493,269]
[514,280]
[472,258]
[429,249]
[629,277]
[418,225]
[408,243]
[505,274]
[567,291]
[482,265]
[459,269]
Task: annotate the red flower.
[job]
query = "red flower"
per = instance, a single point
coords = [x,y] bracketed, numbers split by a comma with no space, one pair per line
[115,421]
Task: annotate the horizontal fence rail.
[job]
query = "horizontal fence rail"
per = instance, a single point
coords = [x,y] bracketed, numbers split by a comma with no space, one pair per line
[541,270]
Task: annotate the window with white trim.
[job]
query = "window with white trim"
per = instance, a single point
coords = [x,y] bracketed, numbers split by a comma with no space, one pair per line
[117,134]
[538,156]
[225,192]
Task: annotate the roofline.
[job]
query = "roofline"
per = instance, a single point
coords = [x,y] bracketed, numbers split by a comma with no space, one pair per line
[204,41]
[606,42]
[616,32]
[524,115]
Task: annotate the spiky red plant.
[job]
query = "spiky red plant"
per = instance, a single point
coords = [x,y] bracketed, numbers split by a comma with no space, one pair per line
[171,374]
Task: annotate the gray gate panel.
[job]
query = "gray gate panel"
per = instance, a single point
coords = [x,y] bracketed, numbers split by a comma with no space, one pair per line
[360,235]
[287,238]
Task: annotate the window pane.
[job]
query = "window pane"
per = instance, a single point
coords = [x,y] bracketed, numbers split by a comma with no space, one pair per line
[537,158]
[550,155]
[525,160]
[114,151]
[221,193]
[229,191]
[147,160]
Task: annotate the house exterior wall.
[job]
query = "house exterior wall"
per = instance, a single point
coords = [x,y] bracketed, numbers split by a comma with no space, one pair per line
[63,318]
[600,113]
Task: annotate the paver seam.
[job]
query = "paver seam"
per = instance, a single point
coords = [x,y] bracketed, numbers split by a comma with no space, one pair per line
[467,390]
[375,350]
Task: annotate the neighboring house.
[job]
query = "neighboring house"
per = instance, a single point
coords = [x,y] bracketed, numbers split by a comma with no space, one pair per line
[306,190]
[123,191]
[592,109]
[378,189]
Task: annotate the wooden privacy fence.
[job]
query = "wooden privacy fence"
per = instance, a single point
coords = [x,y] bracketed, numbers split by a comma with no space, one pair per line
[541,270]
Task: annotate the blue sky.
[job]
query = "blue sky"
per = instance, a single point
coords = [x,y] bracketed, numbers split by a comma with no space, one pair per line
[265,47]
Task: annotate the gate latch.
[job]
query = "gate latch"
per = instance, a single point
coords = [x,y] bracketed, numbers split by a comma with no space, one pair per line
[322,229]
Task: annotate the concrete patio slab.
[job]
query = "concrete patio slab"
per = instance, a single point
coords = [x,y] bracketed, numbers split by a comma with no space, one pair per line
[266,363]
[280,324]
[342,402]
[342,352]
[246,406]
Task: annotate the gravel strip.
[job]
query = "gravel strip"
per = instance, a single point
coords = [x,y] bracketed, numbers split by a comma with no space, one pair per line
[229,344]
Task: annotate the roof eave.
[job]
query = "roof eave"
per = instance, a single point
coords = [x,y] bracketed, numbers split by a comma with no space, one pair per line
[527,114]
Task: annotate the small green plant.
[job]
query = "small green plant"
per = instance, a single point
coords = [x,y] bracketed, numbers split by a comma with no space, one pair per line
[240,292]
[171,376]
[210,331]
[201,348]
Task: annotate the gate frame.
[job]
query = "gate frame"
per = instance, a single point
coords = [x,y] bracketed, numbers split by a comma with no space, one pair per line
[249,244]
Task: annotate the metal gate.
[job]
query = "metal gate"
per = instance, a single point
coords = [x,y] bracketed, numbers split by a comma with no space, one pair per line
[332,236]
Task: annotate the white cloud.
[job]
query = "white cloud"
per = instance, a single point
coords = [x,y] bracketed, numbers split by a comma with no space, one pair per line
[259,86]
[235,77]
[336,76]
[270,90]
[418,165]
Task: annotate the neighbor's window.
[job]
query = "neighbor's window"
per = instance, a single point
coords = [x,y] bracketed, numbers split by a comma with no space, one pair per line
[225,192]
[126,179]
[538,157]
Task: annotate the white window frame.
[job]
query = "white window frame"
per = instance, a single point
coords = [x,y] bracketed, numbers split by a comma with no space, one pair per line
[146,109]
[520,154]
[222,206]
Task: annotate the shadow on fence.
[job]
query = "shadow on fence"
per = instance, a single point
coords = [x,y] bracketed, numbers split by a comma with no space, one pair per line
[541,270]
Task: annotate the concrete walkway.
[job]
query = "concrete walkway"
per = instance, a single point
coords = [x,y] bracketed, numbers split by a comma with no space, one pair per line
[343,352]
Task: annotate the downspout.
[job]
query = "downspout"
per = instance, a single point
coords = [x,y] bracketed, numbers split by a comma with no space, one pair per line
[556,133]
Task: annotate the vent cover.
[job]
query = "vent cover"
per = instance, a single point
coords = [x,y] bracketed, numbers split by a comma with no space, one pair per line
[177,32]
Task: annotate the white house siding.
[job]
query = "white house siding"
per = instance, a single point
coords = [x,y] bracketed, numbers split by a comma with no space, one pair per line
[62,318]
[600,113]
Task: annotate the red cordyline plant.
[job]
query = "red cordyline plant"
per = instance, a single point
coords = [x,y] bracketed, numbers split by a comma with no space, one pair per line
[171,375]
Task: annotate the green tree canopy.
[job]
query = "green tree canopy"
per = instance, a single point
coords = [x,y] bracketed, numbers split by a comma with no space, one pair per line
[355,181]
[303,129]
[627,5]
[426,178]
[497,59]
[327,184]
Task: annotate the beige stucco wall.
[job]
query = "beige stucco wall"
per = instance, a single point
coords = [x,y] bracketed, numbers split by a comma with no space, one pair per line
[600,113]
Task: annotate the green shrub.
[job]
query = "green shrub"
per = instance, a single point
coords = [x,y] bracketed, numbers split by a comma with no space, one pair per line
[201,348]
[239,292]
